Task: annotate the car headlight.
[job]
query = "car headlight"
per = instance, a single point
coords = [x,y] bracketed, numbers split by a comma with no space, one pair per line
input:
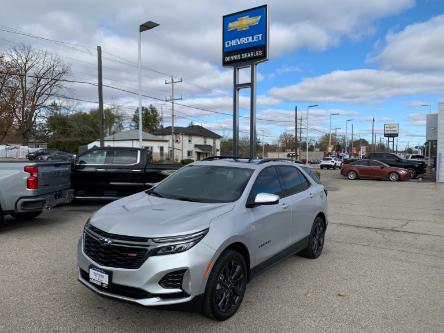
[177,244]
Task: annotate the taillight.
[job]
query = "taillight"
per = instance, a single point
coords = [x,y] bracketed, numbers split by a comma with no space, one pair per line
[32,183]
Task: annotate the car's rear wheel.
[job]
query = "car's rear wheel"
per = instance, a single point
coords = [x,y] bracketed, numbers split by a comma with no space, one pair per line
[412,173]
[226,286]
[352,175]
[26,216]
[393,176]
[315,240]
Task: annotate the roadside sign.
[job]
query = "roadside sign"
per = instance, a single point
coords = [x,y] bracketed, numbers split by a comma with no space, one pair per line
[245,37]
[391,130]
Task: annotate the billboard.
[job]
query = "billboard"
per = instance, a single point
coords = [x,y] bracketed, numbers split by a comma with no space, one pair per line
[245,37]
[391,130]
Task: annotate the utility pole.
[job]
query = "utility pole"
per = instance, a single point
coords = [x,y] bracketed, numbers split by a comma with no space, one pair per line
[352,142]
[172,99]
[263,143]
[100,88]
[296,132]
[373,135]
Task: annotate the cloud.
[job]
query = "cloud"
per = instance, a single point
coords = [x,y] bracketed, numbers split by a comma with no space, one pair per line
[417,119]
[417,48]
[360,85]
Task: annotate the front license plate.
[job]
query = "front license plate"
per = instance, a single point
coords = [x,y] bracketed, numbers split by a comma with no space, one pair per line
[99,277]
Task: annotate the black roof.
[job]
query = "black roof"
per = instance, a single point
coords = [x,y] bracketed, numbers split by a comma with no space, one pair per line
[195,130]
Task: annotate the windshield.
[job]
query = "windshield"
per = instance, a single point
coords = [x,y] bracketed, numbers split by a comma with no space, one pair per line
[204,183]
[327,159]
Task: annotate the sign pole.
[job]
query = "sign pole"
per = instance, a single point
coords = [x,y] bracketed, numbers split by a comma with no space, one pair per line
[253,154]
[235,112]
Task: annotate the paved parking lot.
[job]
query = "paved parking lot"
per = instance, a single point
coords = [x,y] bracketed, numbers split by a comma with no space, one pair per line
[382,270]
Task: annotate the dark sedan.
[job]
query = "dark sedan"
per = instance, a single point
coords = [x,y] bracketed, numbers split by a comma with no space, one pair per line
[49,155]
[371,169]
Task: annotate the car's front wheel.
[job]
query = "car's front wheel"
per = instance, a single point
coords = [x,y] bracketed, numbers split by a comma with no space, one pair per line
[226,286]
[352,175]
[315,240]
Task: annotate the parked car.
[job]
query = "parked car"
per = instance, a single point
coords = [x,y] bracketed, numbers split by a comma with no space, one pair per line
[328,163]
[114,172]
[371,169]
[203,232]
[49,155]
[26,188]
[415,157]
[415,167]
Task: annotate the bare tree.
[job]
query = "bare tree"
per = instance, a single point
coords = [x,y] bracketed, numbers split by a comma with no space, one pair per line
[7,98]
[38,77]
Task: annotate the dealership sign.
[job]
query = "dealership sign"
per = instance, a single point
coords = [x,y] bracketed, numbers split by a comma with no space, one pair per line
[391,130]
[245,37]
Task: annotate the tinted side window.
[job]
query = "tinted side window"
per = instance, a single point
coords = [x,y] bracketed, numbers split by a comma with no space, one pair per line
[266,182]
[125,156]
[375,163]
[390,157]
[312,174]
[377,156]
[361,163]
[93,157]
[292,180]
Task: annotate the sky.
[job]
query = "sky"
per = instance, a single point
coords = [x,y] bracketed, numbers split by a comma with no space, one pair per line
[361,59]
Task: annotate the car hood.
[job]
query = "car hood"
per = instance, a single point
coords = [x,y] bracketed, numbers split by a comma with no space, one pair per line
[148,216]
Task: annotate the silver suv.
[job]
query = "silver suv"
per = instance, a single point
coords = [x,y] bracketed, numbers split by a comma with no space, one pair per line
[203,231]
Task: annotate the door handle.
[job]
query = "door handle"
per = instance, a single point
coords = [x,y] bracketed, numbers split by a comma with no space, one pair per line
[284,206]
[311,195]
[101,170]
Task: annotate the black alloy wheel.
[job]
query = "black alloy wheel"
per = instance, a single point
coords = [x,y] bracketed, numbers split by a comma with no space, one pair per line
[226,286]
[315,240]
[412,173]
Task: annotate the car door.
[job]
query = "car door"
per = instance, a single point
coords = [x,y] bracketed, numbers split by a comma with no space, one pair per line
[302,198]
[89,173]
[378,169]
[125,172]
[270,224]
[362,168]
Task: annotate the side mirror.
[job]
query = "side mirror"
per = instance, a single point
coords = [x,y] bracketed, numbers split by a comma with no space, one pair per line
[264,199]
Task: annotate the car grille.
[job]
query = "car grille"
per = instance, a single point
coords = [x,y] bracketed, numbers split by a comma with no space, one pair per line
[114,250]
[172,280]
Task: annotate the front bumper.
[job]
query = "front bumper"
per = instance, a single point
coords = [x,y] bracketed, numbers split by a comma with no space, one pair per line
[142,286]
[49,200]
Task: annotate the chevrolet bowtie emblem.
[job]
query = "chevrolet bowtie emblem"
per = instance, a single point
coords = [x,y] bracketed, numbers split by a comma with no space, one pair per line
[243,23]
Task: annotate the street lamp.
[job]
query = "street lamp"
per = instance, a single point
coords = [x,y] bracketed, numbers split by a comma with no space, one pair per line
[306,143]
[428,143]
[346,123]
[329,138]
[336,137]
[143,27]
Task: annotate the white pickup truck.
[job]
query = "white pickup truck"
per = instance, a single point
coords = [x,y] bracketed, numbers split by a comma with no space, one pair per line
[26,188]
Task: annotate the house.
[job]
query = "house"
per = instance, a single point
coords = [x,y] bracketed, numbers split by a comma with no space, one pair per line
[130,138]
[193,142]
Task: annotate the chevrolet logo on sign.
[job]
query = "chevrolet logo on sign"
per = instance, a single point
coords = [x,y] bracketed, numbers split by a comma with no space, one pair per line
[243,23]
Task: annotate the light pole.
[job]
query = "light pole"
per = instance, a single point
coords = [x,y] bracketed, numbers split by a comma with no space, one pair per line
[346,123]
[329,138]
[143,27]
[336,137]
[306,143]
[263,144]
[428,143]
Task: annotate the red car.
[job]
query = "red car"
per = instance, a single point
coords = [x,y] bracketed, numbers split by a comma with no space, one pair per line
[371,169]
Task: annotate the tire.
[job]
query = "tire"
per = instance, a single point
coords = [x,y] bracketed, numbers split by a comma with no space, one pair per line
[321,167]
[315,240]
[219,288]
[26,216]
[352,175]
[412,173]
[393,176]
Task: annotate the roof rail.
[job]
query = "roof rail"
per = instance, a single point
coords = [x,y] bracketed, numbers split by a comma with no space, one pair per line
[224,157]
[266,160]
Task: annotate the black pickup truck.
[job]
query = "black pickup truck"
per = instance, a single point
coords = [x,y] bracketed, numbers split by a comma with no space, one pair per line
[414,167]
[114,172]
